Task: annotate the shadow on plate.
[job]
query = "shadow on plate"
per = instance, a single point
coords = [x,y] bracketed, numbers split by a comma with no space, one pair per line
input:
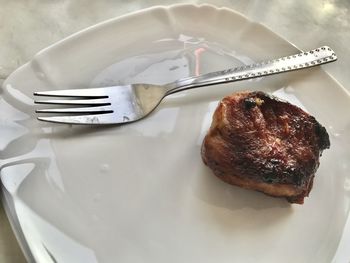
[232,206]
[214,191]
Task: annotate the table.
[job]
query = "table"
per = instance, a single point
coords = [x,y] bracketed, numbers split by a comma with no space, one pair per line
[27,27]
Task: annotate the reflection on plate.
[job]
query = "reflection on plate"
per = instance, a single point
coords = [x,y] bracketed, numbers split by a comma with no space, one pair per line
[140,192]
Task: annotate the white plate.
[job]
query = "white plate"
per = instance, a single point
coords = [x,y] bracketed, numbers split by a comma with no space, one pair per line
[140,192]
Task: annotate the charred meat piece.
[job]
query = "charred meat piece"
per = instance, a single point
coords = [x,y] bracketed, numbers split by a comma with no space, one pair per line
[257,141]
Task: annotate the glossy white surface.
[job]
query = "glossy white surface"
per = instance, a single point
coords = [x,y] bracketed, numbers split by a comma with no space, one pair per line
[140,192]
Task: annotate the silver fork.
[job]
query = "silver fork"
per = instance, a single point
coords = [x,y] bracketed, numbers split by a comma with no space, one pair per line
[129,103]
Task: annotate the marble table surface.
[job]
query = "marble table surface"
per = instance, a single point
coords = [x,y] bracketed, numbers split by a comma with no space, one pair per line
[26,27]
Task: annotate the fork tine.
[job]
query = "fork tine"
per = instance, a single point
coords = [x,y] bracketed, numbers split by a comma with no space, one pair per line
[92,119]
[94,93]
[97,102]
[97,109]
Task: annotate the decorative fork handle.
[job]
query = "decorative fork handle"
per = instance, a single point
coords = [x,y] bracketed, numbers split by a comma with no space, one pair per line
[302,60]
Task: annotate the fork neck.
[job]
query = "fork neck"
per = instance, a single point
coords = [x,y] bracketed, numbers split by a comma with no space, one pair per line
[189,83]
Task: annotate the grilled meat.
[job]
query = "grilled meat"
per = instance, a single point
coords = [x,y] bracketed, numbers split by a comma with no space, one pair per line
[257,141]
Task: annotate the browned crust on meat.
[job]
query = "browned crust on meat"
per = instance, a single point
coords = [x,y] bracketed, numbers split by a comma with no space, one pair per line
[259,142]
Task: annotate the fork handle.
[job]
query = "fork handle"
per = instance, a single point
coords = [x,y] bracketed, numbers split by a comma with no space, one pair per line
[302,60]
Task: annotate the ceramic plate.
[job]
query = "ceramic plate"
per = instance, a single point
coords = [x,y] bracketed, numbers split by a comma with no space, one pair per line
[140,192]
